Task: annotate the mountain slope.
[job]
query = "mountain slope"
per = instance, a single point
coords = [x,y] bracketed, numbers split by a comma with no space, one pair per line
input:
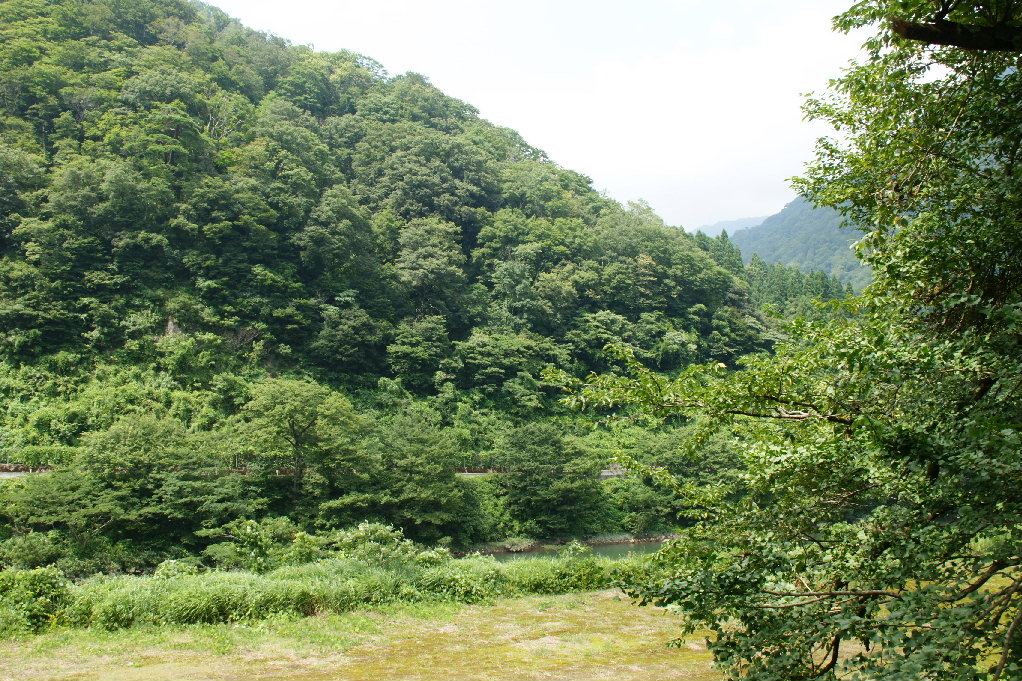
[244,280]
[807,237]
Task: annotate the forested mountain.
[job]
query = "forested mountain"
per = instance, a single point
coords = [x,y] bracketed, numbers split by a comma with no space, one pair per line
[259,303]
[807,237]
[170,171]
[240,279]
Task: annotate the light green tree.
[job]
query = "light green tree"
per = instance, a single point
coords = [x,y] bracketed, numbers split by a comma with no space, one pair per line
[307,427]
[430,263]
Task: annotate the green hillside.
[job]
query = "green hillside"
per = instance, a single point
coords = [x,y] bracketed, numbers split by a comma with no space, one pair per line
[170,172]
[241,280]
[806,237]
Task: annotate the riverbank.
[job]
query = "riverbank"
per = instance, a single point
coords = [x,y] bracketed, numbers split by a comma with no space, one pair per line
[525,545]
[571,637]
[364,570]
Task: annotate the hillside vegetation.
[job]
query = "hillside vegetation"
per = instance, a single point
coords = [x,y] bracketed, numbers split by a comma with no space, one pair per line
[807,237]
[241,281]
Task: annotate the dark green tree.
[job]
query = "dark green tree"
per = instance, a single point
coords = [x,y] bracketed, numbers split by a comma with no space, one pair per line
[420,345]
[550,488]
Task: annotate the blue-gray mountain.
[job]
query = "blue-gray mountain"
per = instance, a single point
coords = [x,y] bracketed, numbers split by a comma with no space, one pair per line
[731,226]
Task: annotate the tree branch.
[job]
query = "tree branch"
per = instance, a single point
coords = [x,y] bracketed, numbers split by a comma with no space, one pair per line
[791,416]
[833,594]
[785,606]
[835,648]
[1001,38]
[1006,652]
[994,568]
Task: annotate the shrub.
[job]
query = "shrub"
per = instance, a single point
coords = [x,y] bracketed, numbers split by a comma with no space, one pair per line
[469,580]
[30,599]
[261,545]
[577,569]
[175,568]
[374,543]
[31,550]
[434,557]
[531,576]
[574,569]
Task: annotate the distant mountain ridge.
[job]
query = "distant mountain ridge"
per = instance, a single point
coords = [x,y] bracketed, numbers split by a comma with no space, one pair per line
[808,237]
[731,226]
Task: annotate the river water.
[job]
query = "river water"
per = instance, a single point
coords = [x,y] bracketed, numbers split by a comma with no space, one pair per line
[609,550]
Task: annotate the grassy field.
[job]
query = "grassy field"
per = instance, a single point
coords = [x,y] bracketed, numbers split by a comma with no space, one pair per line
[571,637]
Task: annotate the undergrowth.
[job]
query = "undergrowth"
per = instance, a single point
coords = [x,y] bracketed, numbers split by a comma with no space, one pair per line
[367,567]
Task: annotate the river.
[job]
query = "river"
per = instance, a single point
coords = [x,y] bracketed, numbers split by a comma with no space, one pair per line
[615,550]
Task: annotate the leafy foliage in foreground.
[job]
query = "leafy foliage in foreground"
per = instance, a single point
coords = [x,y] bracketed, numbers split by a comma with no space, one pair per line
[879,534]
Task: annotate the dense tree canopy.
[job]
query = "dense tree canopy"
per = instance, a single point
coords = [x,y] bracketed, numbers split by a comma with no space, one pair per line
[252,290]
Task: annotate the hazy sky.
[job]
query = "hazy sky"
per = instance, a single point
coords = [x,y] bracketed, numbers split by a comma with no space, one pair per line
[693,105]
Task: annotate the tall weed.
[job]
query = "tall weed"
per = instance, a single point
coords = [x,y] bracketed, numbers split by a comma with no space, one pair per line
[367,566]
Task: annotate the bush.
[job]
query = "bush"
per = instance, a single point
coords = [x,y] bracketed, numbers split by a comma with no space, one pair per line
[344,584]
[261,545]
[30,599]
[373,543]
[577,569]
[176,568]
[639,570]
[31,550]
[574,569]
[469,580]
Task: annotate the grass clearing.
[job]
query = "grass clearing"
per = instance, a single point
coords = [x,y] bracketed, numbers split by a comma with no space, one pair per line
[571,637]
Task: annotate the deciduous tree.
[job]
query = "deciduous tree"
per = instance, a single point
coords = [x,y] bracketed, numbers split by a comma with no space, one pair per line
[879,535]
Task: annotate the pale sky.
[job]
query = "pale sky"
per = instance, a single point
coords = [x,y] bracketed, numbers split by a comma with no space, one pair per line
[692,105]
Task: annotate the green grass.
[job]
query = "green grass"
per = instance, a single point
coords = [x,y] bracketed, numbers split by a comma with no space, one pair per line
[570,637]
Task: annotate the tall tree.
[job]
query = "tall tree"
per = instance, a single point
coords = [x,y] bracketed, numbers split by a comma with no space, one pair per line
[550,488]
[431,264]
[306,427]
